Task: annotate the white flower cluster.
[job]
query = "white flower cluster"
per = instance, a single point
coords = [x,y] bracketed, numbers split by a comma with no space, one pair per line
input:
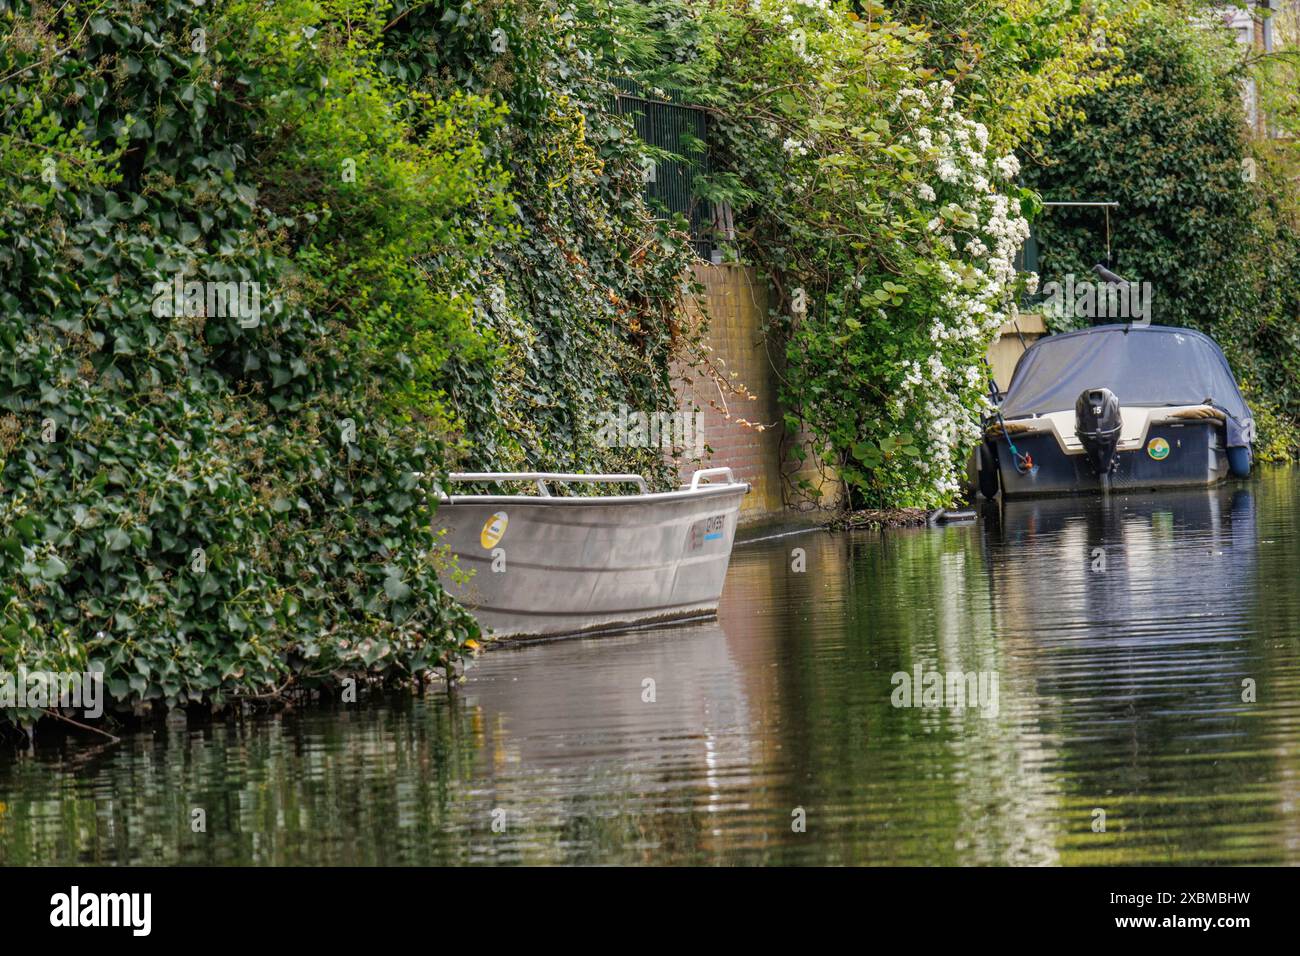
[1008,166]
[975,243]
[971,236]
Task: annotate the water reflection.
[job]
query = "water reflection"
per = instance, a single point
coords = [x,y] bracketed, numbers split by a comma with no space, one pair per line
[1137,614]
[1121,632]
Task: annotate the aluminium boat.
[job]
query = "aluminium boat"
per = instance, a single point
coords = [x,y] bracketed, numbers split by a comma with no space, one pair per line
[546,565]
[1117,407]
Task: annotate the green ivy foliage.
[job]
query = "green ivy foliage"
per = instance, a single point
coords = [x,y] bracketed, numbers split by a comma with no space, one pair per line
[584,300]
[455,268]
[1206,214]
[201,506]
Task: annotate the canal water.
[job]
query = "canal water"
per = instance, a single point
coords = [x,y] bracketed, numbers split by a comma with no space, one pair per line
[1134,698]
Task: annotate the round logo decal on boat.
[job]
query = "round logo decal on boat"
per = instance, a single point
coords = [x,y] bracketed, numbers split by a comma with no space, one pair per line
[494,530]
[1158,449]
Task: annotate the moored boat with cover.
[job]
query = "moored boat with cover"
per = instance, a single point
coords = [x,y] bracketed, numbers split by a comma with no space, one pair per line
[1117,407]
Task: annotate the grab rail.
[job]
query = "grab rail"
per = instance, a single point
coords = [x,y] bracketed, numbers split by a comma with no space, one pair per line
[706,472]
[542,477]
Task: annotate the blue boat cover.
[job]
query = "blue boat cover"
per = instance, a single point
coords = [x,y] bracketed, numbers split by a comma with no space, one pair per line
[1143,365]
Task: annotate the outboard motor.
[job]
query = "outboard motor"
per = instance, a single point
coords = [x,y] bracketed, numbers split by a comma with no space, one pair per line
[1097,422]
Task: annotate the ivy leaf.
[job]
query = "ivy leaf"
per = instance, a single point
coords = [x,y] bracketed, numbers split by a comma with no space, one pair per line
[53,568]
[396,588]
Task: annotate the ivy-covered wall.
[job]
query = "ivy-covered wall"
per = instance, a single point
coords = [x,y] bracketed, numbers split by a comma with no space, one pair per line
[583,297]
[437,254]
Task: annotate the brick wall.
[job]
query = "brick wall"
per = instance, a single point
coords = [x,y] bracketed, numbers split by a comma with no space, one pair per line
[736,302]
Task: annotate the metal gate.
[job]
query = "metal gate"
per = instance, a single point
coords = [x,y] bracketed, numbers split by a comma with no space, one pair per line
[670,181]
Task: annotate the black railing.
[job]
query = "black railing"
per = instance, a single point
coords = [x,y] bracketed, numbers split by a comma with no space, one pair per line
[681,131]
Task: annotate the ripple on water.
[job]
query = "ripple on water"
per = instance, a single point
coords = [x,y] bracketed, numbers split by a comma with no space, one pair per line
[1124,634]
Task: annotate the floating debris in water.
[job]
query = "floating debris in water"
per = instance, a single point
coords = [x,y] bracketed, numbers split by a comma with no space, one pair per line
[876,519]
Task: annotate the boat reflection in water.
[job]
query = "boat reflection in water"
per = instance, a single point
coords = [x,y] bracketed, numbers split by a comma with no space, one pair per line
[1145,600]
[641,712]
[1130,565]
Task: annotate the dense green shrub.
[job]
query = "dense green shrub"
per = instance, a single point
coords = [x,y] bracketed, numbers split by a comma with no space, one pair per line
[1021,65]
[203,505]
[1206,215]
[208,506]
[584,300]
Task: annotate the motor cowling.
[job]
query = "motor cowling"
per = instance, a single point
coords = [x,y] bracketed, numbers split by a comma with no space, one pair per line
[1097,422]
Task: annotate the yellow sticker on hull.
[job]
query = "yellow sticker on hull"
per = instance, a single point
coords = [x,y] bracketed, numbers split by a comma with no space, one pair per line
[494,530]
[1158,449]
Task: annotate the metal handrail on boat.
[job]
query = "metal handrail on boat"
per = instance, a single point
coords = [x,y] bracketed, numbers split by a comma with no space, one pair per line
[542,477]
[709,472]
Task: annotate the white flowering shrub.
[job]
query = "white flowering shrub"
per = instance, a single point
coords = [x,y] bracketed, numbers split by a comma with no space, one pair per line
[898,219]
[972,242]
